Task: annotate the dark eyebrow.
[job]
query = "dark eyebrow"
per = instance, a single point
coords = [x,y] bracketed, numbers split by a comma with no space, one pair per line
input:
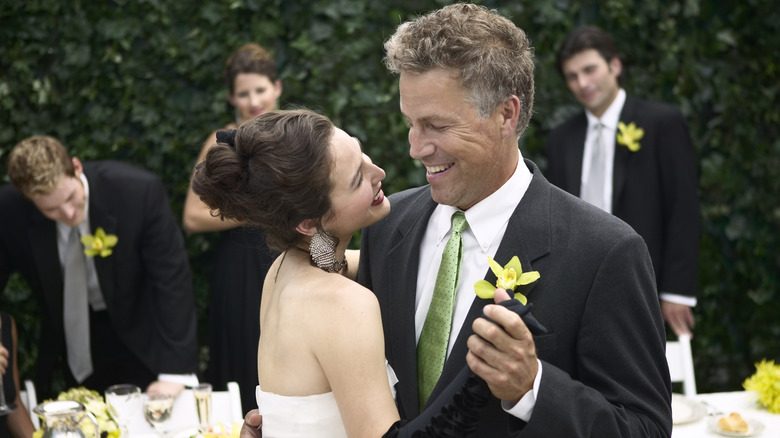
[357,175]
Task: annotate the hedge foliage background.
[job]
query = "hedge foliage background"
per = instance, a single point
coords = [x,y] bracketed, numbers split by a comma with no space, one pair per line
[141,81]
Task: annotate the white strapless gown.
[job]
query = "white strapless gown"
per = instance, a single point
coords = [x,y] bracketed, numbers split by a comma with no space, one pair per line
[310,416]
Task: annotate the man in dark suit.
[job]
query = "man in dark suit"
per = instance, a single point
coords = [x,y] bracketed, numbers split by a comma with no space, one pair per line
[135,296]
[647,180]
[466,90]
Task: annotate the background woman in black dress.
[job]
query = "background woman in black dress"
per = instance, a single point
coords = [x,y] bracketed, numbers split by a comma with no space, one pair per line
[241,257]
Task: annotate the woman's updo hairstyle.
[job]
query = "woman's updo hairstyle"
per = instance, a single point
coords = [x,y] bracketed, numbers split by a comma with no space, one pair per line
[249,58]
[277,176]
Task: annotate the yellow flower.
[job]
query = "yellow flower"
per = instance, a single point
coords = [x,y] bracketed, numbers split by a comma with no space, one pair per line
[509,277]
[94,403]
[99,244]
[766,383]
[629,135]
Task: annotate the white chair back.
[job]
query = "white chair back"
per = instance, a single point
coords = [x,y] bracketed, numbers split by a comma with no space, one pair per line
[235,402]
[30,400]
[680,359]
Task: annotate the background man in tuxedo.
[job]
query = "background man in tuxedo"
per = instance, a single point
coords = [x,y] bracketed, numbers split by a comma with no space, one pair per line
[650,183]
[134,313]
[466,90]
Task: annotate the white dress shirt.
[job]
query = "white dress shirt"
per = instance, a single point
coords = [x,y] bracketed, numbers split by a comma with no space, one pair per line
[609,121]
[488,220]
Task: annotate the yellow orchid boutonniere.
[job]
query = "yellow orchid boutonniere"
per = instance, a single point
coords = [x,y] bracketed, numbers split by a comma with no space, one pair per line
[629,136]
[99,244]
[509,277]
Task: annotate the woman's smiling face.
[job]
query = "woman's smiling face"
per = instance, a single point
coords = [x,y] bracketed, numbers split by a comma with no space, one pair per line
[357,200]
[254,94]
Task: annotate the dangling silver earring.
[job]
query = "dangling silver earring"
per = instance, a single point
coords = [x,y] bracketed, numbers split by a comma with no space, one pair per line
[322,248]
[238,115]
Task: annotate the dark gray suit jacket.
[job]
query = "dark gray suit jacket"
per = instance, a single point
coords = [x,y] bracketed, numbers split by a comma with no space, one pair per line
[655,189]
[604,367]
[146,282]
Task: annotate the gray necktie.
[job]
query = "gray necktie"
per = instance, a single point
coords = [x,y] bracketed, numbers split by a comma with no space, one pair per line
[76,310]
[593,190]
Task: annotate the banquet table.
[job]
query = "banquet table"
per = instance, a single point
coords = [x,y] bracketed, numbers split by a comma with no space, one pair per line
[225,408]
[720,404]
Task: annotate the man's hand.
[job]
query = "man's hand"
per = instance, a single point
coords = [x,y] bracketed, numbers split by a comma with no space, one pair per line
[161,387]
[679,317]
[251,427]
[503,354]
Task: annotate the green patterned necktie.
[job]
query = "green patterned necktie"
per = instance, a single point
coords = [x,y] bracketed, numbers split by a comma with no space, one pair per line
[435,336]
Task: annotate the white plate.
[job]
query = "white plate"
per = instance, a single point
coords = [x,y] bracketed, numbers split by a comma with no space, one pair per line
[754,427]
[685,410]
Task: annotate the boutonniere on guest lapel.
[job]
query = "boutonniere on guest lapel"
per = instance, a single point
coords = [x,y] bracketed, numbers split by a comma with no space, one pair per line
[629,135]
[509,277]
[99,244]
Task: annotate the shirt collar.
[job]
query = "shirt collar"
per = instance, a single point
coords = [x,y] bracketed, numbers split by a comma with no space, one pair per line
[611,116]
[487,217]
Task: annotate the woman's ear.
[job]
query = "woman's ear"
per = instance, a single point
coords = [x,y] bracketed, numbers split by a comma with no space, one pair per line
[77,167]
[278,88]
[307,227]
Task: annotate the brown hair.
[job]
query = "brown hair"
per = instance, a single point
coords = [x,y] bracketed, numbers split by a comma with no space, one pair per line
[36,164]
[249,58]
[584,38]
[493,57]
[277,176]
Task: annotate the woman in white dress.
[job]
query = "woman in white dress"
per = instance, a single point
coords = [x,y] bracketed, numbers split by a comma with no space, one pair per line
[321,363]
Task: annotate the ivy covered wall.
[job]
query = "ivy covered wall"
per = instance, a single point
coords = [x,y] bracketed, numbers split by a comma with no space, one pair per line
[141,81]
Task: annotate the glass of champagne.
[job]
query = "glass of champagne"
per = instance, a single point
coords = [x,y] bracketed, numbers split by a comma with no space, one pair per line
[202,393]
[123,401]
[158,408]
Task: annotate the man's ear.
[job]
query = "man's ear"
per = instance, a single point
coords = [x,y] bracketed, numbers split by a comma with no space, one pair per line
[307,227]
[616,66]
[510,112]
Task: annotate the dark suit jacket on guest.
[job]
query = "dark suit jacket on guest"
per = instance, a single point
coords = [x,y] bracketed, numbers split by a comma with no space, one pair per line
[604,368]
[655,189]
[146,282]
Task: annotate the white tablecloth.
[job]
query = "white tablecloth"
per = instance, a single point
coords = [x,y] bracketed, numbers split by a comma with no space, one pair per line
[727,402]
[184,418]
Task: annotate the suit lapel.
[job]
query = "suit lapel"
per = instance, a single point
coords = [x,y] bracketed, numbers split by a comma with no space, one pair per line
[42,234]
[527,236]
[402,284]
[575,149]
[99,216]
[622,154]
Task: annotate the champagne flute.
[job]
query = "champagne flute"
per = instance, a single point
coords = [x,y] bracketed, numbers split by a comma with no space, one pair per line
[158,408]
[5,408]
[123,401]
[202,394]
